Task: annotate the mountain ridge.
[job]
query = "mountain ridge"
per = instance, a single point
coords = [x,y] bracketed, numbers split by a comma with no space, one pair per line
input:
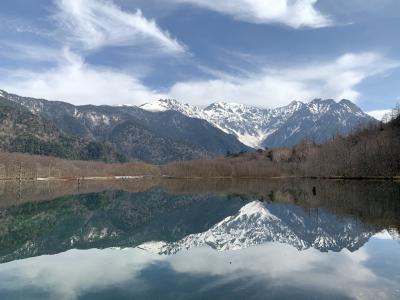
[283,126]
[166,130]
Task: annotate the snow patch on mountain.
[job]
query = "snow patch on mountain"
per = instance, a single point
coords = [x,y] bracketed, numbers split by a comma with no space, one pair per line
[253,141]
[171,104]
[156,106]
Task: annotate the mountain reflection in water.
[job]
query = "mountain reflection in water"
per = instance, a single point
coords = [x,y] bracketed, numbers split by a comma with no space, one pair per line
[168,239]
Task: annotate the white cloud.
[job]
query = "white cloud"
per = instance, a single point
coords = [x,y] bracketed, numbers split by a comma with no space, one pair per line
[278,86]
[76,82]
[94,24]
[293,13]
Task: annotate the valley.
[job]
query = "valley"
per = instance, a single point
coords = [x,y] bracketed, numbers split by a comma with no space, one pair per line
[181,141]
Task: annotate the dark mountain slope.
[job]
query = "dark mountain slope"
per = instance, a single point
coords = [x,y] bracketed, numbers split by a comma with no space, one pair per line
[136,141]
[22,131]
[202,134]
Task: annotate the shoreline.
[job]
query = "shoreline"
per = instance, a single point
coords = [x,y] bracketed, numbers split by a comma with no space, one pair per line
[108,178]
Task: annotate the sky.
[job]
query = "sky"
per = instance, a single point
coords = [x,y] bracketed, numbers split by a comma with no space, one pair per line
[257,52]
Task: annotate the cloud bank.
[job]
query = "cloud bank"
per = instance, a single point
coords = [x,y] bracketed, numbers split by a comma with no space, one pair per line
[77,82]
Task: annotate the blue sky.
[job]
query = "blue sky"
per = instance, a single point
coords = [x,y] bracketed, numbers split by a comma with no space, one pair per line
[261,52]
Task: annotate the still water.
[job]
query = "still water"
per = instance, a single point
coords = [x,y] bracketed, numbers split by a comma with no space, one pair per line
[200,240]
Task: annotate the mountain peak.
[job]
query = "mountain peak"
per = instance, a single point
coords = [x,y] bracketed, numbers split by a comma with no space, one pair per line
[161,105]
[349,104]
[294,105]
[323,101]
[295,102]
[321,106]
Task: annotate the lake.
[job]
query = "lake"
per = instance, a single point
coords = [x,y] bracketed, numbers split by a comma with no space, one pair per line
[197,239]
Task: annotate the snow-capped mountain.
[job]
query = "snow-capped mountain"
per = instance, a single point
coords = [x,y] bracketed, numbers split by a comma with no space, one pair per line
[257,223]
[283,126]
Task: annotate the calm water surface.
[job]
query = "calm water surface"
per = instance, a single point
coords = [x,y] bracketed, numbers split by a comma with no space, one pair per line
[200,240]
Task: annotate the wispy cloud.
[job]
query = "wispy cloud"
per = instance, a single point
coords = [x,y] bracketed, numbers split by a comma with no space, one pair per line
[277,86]
[92,24]
[293,13]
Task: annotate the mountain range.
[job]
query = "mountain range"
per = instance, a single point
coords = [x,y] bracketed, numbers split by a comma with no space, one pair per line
[256,127]
[166,130]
